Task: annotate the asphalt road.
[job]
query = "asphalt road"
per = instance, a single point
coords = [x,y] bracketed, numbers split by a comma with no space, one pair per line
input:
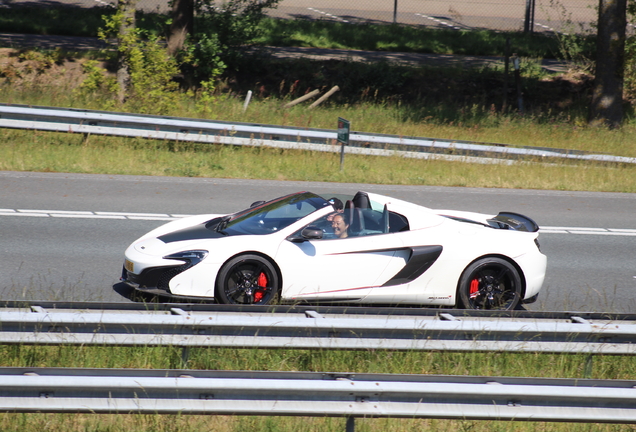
[52,255]
[464,14]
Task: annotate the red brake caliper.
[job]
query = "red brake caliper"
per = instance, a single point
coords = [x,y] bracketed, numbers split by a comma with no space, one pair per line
[474,287]
[262,283]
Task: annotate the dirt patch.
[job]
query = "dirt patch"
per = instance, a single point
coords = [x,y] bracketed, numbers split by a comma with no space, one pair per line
[564,90]
[33,68]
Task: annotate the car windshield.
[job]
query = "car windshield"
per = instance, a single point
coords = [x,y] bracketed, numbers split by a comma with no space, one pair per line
[271,216]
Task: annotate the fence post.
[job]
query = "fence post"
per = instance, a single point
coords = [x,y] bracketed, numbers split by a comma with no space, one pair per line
[504,104]
[517,67]
[395,11]
[528,24]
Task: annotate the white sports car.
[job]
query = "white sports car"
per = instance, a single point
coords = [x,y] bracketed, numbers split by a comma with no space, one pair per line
[373,249]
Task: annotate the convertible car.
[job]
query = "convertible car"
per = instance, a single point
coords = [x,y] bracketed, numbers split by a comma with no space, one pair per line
[366,248]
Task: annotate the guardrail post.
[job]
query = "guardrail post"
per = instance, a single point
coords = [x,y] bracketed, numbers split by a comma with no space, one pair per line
[351,424]
[185,356]
[587,370]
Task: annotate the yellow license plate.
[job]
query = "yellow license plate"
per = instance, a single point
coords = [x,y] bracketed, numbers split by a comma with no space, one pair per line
[128,265]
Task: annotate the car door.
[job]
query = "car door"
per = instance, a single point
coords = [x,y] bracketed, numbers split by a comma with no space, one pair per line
[339,269]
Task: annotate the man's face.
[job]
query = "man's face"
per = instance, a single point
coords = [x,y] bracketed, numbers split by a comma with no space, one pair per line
[339,226]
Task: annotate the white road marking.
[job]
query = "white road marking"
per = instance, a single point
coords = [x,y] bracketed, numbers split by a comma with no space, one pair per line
[628,232]
[90,215]
[328,15]
[103,3]
[438,21]
[588,231]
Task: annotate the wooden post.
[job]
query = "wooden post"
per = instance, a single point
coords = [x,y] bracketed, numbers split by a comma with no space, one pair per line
[324,97]
[302,99]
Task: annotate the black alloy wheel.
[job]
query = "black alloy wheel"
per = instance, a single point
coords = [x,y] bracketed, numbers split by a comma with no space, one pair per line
[247,279]
[490,284]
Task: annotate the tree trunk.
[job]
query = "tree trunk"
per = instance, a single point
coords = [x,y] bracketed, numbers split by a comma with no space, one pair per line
[182,24]
[127,9]
[607,96]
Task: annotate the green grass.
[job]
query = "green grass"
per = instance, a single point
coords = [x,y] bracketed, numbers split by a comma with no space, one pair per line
[56,152]
[61,152]
[362,361]
[403,38]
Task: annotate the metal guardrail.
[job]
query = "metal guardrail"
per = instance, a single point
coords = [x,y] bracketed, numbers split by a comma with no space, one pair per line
[227,133]
[111,391]
[309,328]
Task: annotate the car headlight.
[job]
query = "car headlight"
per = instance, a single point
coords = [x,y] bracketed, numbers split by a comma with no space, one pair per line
[192,257]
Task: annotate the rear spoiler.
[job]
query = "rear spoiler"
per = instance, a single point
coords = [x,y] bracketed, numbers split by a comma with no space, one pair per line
[513,221]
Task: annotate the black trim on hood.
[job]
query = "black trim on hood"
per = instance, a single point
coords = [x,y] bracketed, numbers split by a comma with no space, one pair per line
[196,232]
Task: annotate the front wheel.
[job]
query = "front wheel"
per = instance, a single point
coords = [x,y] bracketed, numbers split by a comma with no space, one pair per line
[490,283]
[247,279]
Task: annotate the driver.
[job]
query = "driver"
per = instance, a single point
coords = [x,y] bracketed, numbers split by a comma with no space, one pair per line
[340,227]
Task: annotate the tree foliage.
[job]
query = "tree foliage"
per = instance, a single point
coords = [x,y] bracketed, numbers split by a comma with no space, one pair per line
[222,30]
[145,70]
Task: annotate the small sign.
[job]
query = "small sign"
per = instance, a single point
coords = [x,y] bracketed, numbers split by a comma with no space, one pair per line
[343,130]
[343,138]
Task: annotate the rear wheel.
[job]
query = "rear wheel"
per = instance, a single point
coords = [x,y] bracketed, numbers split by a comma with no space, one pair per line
[247,279]
[490,283]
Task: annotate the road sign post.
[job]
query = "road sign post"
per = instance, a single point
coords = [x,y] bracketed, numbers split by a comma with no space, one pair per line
[344,126]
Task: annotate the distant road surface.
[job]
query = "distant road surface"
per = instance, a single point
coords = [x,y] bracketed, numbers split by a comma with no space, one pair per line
[463,14]
[63,235]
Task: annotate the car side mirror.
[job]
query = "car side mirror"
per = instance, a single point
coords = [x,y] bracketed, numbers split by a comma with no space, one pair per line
[308,233]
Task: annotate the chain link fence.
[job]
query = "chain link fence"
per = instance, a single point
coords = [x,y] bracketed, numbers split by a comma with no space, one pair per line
[569,16]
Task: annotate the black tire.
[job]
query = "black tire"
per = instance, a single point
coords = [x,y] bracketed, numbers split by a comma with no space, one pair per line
[491,284]
[247,279]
